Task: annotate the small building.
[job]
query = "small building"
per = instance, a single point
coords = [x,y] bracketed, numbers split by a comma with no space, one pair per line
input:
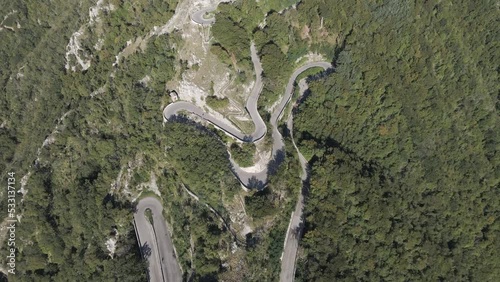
[173,95]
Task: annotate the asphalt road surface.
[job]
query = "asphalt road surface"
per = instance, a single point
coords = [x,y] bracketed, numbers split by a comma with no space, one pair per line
[292,243]
[156,244]
[295,227]
[198,18]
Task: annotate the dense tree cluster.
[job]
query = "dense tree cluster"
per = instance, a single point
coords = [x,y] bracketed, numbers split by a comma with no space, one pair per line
[199,236]
[243,153]
[200,159]
[217,103]
[69,211]
[282,36]
[404,145]
[261,203]
[402,140]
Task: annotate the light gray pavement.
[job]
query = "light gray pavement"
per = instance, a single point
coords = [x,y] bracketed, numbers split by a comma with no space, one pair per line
[277,113]
[198,17]
[163,265]
[289,254]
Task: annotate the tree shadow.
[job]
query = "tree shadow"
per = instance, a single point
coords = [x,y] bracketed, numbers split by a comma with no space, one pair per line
[247,139]
[146,251]
[274,164]
[254,183]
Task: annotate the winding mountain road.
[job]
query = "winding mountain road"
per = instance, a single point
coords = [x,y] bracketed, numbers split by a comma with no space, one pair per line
[247,178]
[198,18]
[251,106]
[156,244]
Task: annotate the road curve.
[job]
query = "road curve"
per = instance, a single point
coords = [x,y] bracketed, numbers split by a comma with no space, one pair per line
[155,242]
[198,18]
[251,106]
[250,179]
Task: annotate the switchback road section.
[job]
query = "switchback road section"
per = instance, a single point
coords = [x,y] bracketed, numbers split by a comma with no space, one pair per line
[155,242]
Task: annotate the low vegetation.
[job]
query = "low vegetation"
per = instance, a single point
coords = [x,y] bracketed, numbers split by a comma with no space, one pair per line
[217,103]
[243,153]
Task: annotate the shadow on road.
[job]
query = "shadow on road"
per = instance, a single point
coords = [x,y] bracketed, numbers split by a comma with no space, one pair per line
[146,251]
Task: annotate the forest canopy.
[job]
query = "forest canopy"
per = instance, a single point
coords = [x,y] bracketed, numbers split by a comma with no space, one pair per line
[401,137]
[403,146]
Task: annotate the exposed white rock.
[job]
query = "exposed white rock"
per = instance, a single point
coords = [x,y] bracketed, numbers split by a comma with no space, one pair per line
[111,246]
[234,247]
[49,140]
[99,44]
[99,91]
[74,50]
[24,180]
[111,243]
[144,81]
